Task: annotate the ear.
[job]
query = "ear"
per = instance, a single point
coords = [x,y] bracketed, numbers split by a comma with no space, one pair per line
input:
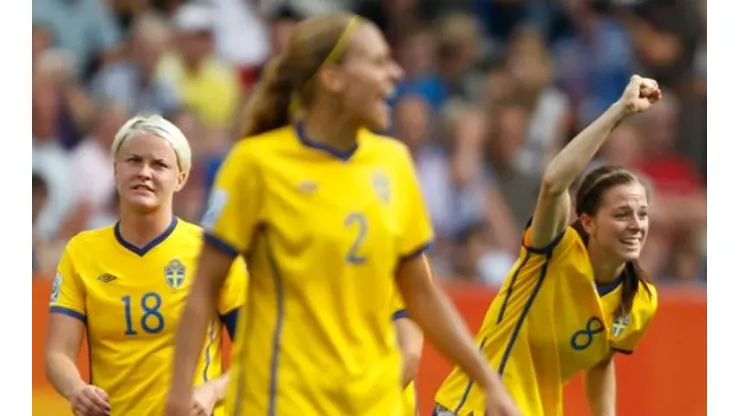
[588,222]
[182,179]
[332,79]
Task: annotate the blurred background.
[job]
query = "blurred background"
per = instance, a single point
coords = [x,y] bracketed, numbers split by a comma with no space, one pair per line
[494,88]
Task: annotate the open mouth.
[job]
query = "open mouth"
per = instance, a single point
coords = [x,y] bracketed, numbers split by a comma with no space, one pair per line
[631,242]
[388,93]
[142,187]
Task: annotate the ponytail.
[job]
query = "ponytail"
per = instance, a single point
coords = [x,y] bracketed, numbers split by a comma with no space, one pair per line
[268,106]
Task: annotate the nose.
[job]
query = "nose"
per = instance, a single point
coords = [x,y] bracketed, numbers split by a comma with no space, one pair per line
[397,73]
[634,224]
[144,172]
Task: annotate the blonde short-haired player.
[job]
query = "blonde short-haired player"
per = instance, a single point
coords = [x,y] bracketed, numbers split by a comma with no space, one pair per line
[333,225]
[576,295]
[125,285]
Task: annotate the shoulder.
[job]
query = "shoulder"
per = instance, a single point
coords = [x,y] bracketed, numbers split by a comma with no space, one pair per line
[563,244]
[264,144]
[384,142]
[91,240]
[189,232]
[386,148]
[647,298]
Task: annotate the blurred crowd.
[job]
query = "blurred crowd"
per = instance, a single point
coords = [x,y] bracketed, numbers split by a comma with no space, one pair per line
[493,89]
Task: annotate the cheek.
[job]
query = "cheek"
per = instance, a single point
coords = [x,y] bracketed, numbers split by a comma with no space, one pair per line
[608,230]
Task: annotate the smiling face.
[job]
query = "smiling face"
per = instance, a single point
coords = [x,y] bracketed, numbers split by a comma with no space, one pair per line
[365,79]
[147,173]
[613,207]
[621,222]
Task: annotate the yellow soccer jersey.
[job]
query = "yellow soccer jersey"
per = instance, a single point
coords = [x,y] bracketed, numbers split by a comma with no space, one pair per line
[409,393]
[323,232]
[130,300]
[548,322]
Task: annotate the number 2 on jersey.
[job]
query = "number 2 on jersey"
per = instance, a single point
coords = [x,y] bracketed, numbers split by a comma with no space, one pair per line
[359,221]
[151,312]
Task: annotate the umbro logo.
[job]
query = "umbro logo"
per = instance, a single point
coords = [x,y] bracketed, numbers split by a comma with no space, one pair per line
[308,186]
[107,278]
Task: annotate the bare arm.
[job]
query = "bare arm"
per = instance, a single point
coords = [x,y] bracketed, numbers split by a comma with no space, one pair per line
[601,388]
[411,343]
[553,204]
[213,267]
[432,310]
[64,337]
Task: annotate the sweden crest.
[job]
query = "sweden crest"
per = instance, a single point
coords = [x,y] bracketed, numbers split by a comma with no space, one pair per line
[620,325]
[382,186]
[174,274]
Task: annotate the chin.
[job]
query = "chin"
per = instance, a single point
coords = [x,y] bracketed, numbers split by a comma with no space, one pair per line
[629,255]
[141,205]
[378,123]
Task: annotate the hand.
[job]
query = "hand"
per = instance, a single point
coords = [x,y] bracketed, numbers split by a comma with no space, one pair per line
[89,400]
[204,400]
[499,403]
[640,94]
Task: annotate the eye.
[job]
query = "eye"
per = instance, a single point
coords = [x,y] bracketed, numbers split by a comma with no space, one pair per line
[161,164]
[133,159]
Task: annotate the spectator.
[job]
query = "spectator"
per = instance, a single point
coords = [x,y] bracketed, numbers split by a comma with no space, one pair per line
[49,159]
[528,61]
[84,28]
[518,187]
[595,62]
[206,85]
[133,82]
[92,169]
[241,36]
[479,259]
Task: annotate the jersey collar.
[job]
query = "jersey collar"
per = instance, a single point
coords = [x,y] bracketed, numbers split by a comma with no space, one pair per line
[141,251]
[343,155]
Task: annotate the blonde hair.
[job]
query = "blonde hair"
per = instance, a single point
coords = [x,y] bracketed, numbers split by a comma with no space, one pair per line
[161,127]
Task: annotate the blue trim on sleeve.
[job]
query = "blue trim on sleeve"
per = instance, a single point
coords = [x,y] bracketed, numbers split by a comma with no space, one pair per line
[69,312]
[547,248]
[220,244]
[229,321]
[416,253]
[399,314]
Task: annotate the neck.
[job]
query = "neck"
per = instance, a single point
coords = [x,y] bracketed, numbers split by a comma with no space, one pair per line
[326,128]
[141,229]
[606,268]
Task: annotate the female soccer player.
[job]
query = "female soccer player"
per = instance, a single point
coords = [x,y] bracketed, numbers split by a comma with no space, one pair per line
[330,218]
[126,285]
[576,294]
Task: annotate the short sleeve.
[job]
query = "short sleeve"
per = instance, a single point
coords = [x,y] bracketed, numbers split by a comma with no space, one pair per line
[627,332]
[417,232]
[234,204]
[398,308]
[233,295]
[68,293]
